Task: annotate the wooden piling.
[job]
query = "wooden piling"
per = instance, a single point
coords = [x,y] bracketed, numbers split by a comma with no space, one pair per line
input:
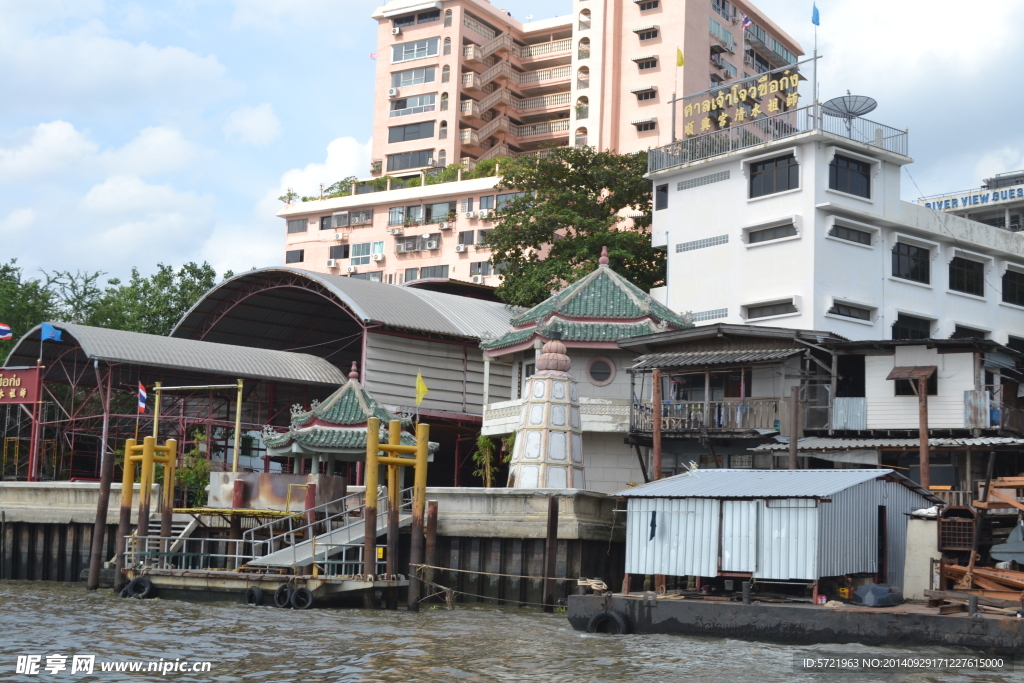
[370,475]
[550,553]
[922,409]
[419,499]
[656,425]
[430,551]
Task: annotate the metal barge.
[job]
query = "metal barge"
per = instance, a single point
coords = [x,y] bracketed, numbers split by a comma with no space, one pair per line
[801,624]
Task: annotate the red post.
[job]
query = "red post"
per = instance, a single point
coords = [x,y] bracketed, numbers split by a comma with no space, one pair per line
[35,436]
[656,410]
[922,402]
[310,503]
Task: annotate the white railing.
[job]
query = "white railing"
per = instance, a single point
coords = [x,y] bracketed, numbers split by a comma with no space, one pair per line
[527,51]
[472,23]
[561,98]
[539,128]
[543,75]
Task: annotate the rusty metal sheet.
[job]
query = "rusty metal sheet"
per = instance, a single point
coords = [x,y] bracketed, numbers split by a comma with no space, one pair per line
[912,372]
[977,409]
[269,491]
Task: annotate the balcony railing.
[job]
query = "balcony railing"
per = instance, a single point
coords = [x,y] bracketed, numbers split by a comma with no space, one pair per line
[581,141]
[472,23]
[682,417]
[527,51]
[773,128]
[582,83]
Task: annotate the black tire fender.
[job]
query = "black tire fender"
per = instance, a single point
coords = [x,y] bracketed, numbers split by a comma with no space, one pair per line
[254,596]
[141,588]
[302,598]
[125,593]
[283,595]
[610,621]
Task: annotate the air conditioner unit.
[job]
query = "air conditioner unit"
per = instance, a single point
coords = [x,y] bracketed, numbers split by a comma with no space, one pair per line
[397,30]
[331,263]
[485,214]
[430,161]
[459,248]
[444,226]
[396,231]
[478,279]
[350,269]
[340,236]
[392,92]
[399,248]
[432,245]
[377,257]
[470,214]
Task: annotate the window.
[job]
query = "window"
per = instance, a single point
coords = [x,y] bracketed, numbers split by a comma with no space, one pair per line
[723,34]
[661,197]
[424,74]
[447,18]
[446,73]
[600,371]
[439,212]
[296,225]
[430,242]
[412,131]
[504,199]
[480,268]
[844,233]
[294,256]
[467,204]
[444,101]
[339,251]
[360,254]
[646,95]
[768,234]
[404,106]
[649,4]
[417,49]
[487,202]
[326,222]
[442,156]
[967,276]
[774,175]
[909,327]
[467,237]
[1016,344]
[850,176]
[364,217]
[402,22]
[648,35]
[427,17]
[447,46]
[645,126]
[412,274]
[1013,287]
[434,271]
[850,311]
[340,220]
[400,162]
[962,332]
[904,388]
[765,310]
[481,237]
[910,262]
[645,64]
[375,276]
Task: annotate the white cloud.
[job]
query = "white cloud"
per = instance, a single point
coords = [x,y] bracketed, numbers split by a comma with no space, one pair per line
[49,147]
[154,150]
[345,157]
[17,221]
[240,247]
[276,15]
[256,126]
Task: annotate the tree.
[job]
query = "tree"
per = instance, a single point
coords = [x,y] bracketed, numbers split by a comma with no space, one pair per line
[289,196]
[572,205]
[484,458]
[24,303]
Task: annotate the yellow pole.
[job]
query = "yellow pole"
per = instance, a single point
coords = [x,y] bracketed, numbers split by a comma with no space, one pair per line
[125,521]
[238,426]
[370,509]
[419,500]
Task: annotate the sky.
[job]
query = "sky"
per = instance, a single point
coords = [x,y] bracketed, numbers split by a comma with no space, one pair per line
[138,133]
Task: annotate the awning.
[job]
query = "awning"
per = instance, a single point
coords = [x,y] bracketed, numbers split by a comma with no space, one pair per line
[649,119]
[809,443]
[857,456]
[703,359]
[639,59]
[645,28]
[912,372]
[645,88]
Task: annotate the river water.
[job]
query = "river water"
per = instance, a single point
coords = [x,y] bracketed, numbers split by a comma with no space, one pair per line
[470,643]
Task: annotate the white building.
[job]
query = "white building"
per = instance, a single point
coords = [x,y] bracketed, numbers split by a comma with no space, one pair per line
[796,220]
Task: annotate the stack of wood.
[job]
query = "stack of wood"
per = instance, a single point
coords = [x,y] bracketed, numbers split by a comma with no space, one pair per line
[953,602]
[987,578]
[1005,491]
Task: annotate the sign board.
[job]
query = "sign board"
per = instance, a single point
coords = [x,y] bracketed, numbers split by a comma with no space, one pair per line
[978,198]
[749,99]
[19,385]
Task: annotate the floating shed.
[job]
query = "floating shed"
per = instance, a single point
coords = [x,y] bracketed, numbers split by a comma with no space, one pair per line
[798,525]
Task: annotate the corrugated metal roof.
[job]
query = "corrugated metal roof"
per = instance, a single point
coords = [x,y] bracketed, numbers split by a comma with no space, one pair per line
[824,444]
[375,302]
[190,355]
[723,483]
[705,358]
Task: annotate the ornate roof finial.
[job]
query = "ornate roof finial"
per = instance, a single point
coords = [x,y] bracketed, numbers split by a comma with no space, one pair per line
[553,355]
[604,256]
[354,372]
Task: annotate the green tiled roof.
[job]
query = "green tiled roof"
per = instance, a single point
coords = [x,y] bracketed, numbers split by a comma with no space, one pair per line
[349,405]
[602,295]
[594,304]
[333,437]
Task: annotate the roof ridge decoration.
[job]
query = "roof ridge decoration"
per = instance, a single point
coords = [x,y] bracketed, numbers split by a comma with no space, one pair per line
[600,299]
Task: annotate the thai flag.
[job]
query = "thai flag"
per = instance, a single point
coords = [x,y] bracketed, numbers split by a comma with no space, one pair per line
[747,22]
[142,398]
[5,332]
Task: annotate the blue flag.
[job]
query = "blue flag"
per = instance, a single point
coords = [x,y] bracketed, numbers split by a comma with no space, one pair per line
[49,332]
[815,19]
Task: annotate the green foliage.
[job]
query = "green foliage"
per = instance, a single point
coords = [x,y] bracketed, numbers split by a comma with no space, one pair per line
[289,196]
[484,457]
[342,188]
[24,302]
[553,236]
[194,474]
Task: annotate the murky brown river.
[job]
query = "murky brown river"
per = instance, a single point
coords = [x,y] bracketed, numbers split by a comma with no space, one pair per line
[471,643]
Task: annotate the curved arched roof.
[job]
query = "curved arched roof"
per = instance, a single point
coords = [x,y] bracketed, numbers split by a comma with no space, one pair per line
[188,356]
[369,303]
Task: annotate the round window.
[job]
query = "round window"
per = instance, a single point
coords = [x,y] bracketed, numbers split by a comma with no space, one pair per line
[601,371]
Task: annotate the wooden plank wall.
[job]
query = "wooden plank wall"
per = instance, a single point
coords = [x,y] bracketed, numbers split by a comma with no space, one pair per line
[48,552]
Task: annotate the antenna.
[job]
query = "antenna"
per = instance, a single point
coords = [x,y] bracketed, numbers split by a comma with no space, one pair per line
[529,17]
[849,107]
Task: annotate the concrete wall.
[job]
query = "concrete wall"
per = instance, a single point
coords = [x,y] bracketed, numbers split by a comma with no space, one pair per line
[65,502]
[610,464]
[922,548]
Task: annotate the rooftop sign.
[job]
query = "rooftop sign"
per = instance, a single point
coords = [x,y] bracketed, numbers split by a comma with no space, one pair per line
[980,197]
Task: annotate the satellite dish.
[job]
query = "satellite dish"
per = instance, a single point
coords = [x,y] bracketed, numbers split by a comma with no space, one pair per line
[849,106]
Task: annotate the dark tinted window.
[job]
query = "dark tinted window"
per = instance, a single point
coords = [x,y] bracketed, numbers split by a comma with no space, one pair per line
[910,262]
[961,332]
[404,21]
[770,309]
[600,371]
[339,251]
[967,276]
[399,162]
[774,175]
[426,17]
[294,256]
[646,95]
[1016,344]
[1013,287]
[412,274]
[909,327]
[660,197]
[903,387]
[296,225]
[851,311]
[772,233]
[434,271]
[858,236]
[413,131]
[850,176]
